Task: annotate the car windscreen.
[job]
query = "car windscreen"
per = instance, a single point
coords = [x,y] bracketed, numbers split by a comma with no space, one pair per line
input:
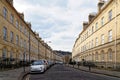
[37,63]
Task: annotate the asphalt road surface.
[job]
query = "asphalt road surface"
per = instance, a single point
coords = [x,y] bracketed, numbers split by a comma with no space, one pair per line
[61,72]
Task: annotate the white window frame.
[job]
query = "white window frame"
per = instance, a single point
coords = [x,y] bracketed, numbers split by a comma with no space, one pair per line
[96,41]
[11,36]
[102,39]
[96,56]
[110,55]
[4,53]
[4,33]
[110,15]
[17,39]
[5,12]
[110,35]
[92,29]
[96,26]
[102,21]
[102,56]
[12,18]
[17,24]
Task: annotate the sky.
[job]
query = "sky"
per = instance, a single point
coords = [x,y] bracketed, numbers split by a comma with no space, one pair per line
[58,21]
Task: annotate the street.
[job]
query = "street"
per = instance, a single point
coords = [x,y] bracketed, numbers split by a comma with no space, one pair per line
[61,72]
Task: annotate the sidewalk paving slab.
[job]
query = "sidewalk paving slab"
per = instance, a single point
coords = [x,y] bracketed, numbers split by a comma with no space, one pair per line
[15,74]
[98,71]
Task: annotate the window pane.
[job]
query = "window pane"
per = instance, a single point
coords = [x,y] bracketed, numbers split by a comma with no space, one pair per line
[17,39]
[96,41]
[110,15]
[4,53]
[110,56]
[110,35]
[102,21]
[102,39]
[96,26]
[5,12]
[4,33]
[17,24]
[11,36]
[12,19]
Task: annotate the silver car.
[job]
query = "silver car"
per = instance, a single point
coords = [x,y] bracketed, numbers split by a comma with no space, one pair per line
[38,66]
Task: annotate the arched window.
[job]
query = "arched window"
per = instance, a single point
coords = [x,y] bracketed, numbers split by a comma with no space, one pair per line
[96,56]
[102,56]
[110,55]
[4,53]
[5,12]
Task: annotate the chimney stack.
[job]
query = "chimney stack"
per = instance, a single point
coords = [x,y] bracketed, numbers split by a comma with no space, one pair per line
[11,2]
[37,35]
[91,16]
[85,24]
[21,15]
[29,24]
[100,4]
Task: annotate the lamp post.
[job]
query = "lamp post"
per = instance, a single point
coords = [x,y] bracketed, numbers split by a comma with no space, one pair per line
[38,50]
[29,48]
[24,62]
[45,49]
[115,33]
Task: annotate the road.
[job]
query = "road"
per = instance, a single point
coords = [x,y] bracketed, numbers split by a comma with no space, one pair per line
[61,72]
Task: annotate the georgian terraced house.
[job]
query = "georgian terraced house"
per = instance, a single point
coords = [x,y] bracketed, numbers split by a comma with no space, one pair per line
[99,41]
[17,40]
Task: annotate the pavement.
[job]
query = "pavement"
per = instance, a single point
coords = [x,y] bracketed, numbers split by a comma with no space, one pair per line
[97,71]
[14,74]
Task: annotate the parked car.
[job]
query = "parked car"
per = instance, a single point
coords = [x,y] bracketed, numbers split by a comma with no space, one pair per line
[50,63]
[38,66]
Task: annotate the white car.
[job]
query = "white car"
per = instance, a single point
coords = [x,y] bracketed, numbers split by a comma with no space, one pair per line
[38,66]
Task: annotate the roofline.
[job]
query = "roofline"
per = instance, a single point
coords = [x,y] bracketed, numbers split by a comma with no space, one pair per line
[12,6]
[97,15]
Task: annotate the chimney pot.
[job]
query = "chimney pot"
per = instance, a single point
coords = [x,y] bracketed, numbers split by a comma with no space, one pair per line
[91,16]
[100,4]
[85,24]
[11,2]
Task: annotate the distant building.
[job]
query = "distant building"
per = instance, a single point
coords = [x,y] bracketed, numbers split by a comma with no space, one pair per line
[99,41]
[66,56]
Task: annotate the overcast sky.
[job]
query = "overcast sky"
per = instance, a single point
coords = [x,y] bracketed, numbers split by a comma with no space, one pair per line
[58,21]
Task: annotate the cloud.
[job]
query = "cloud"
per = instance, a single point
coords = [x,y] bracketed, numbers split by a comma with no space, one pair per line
[58,21]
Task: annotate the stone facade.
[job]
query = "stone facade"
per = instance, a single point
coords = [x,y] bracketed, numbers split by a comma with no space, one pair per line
[17,40]
[99,42]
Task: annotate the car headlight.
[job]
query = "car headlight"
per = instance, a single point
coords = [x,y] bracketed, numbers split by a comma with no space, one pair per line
[41,68]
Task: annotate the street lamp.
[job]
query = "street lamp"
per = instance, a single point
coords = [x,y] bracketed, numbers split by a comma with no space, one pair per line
[24,62]
[115,34]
